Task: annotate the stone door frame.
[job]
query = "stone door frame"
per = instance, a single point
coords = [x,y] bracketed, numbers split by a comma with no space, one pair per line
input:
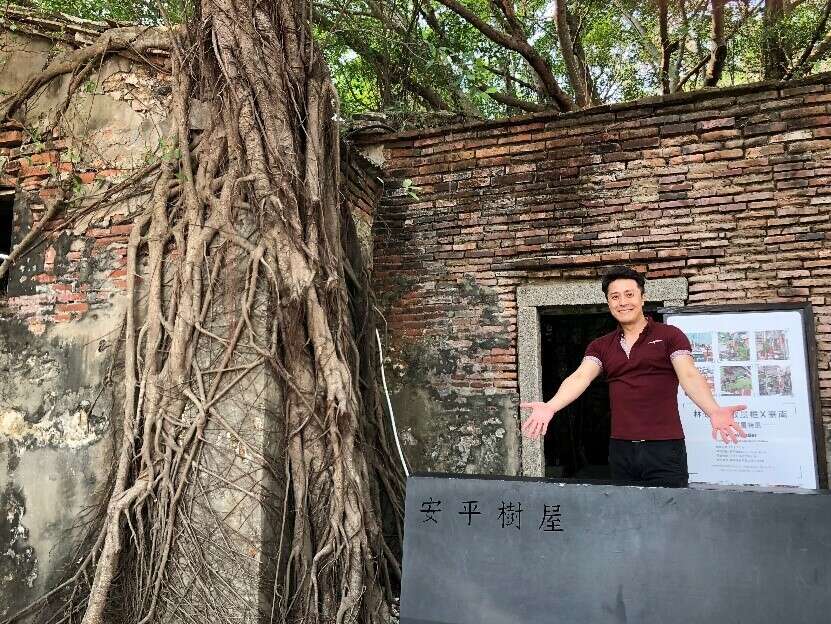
[670,292]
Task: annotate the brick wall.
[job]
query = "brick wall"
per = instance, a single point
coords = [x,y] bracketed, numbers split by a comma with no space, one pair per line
[730,189]
[82,269]
[361,187]
[75,270]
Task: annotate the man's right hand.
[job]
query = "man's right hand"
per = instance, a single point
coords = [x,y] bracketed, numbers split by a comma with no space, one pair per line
[537,423]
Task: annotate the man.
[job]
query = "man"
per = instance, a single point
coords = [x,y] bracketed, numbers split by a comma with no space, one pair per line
[644,362]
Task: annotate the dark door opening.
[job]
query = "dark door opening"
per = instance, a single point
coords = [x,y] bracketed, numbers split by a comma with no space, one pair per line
[6,222]
[577,440]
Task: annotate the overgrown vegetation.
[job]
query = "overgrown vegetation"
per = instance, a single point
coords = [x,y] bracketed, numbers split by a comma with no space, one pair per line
[246,300]
[246,361]
[486,58]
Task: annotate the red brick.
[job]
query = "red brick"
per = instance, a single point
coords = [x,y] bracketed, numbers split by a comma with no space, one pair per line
[72,307]
[33,171]
[728,154]
[11,138]
[116,230]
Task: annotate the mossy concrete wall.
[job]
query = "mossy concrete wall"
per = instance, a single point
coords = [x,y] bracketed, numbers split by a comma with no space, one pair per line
[57,404]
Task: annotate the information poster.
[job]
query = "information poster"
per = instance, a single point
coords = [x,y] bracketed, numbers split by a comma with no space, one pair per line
[756,359]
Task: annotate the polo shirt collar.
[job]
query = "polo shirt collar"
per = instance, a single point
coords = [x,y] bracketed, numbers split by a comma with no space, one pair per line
[646,329]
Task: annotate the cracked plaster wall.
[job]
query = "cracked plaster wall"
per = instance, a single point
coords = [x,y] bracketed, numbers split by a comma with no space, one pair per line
[55,446]
[61,317]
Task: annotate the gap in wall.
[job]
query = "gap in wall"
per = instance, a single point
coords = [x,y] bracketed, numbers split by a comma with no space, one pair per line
[6,223]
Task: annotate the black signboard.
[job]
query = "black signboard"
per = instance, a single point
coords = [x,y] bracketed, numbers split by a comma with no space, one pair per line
[522,551]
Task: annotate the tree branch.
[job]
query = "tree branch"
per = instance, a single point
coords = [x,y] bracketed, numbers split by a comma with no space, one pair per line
[682,46]
[425,92]
[382,63]
[718,54]
[651,48]
[808,57]
[582,64]
[773,54]
[512,101]
[578,82]
[560,98]
[31,236]
[821,50]
[132,38]
[509,76]
[703,62]
[667,47]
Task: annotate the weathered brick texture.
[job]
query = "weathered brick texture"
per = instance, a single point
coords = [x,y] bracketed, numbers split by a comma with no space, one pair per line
[74,270]
[728,188]
[361,187]
[79,269]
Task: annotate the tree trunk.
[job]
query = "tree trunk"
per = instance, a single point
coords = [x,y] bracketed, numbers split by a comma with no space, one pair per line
[666,47]
[237,274]
[515,40]
[718,54]
[582,62]
[774,60]
[576,70]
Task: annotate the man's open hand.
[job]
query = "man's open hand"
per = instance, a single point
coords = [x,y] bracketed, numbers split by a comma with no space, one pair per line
[537,423]
[724,424]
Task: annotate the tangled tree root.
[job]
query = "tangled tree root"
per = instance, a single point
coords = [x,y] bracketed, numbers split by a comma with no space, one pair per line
[241,273]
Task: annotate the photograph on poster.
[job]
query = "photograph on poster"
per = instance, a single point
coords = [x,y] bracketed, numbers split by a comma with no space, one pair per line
[709,375]
[775,381]
[733,346]
[736,381]
[772,345]
[757,358]
[702,346]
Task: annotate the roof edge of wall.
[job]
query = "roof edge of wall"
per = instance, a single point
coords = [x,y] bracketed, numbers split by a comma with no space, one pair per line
[53,25]
[658,100]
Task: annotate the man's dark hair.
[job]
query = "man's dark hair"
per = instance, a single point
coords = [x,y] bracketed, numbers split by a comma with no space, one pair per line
[621,272]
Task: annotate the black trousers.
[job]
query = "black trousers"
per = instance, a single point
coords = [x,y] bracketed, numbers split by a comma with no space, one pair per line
[649,462]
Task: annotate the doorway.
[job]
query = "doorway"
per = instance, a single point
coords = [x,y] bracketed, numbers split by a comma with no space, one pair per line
[576,445]
[6,223]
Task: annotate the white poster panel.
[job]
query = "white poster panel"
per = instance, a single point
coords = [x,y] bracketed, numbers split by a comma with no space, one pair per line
[756,359]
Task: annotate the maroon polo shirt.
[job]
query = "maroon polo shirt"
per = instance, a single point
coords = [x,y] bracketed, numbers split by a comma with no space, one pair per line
[643,386]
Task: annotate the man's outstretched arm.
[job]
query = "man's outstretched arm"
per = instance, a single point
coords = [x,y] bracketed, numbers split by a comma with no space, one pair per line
[693,383]
[572,387]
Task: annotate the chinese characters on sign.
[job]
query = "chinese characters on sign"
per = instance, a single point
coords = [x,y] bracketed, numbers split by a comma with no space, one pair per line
[551,517]
[754,418]
[471,508]
[430,508]
[508,514]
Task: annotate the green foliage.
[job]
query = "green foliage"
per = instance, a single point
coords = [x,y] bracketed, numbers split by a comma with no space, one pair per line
[35,137]
[148,12]
[449,54]
[406,57]
[411,189]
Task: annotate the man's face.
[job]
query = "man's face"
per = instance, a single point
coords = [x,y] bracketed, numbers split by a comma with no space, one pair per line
[625,300]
